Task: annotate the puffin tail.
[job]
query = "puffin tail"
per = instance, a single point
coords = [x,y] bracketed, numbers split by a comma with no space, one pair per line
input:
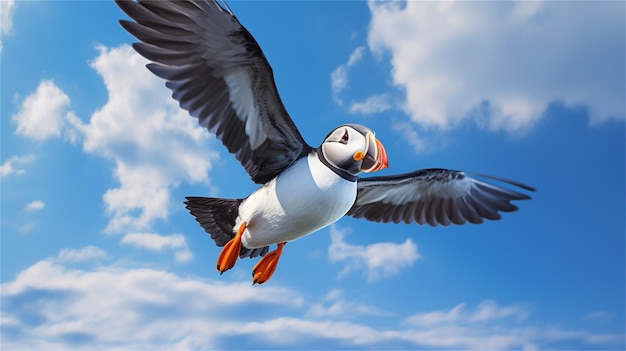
[217,217]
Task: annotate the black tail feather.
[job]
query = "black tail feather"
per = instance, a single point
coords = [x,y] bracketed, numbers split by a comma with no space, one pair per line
[217,217]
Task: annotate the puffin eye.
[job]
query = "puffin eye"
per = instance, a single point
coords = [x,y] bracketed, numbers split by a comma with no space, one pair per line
[344,138]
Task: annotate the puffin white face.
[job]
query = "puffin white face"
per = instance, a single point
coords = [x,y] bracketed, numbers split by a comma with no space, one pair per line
[354,149]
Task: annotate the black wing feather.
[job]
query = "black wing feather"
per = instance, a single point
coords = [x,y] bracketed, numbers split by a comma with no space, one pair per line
[434,197]
[217,72]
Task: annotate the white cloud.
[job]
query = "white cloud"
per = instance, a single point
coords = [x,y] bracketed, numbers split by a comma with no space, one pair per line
[377,260]
[336,305]
[88,253]
[54,304]
[373,104]
[156,242]
[338,81]
[487,310]
[599,316]
[355,56]
[14,163]
[34,206]
[42,113]
[7,8]
[115,307]
[152,142]
[502,63]
[339,76]
[436,317]
[407,130]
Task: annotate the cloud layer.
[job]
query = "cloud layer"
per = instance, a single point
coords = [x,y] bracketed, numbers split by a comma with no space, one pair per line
[83,299]
[52,305]
[501,64]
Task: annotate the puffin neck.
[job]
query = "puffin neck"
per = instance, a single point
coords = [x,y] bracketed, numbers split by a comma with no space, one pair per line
[340,172]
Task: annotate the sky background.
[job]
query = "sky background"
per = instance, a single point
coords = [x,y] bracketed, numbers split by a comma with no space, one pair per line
[97,250]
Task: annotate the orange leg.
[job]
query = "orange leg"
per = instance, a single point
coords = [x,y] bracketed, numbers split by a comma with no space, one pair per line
[230,252]
[266,266]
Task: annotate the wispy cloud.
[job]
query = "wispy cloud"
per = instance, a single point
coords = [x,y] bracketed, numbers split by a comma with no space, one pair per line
[510,59]
[339,76]
[88,253]
[599,316]
[145,308]
[493,326]
[43,113]
[28,220]
[152,142]
[376,260]
[7,8]
[339,82]
[410,134]
[373,104]
[14,165]
[158,243]
[336,304]
[486,311]
[34,206]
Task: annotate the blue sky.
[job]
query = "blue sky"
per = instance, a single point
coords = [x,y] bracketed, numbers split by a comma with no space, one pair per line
[98,250]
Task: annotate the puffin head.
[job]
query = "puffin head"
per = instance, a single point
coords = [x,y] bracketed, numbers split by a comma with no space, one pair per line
[353,148]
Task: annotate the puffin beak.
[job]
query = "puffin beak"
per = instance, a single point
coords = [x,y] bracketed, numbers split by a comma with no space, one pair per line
[375,155]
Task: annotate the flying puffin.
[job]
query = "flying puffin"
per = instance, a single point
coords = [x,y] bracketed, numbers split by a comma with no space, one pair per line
[218,73]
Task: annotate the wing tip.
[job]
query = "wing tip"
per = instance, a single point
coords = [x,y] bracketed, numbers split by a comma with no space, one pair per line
[225,7]
[507,181]
[482,200]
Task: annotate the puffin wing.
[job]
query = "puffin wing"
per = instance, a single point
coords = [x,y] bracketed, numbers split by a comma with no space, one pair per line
[434,196]
[217,72]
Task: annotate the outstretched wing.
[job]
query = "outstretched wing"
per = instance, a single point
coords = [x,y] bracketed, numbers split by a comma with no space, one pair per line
[217,72]
[434,196]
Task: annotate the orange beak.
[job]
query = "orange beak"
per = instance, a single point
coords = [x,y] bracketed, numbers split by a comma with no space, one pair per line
[375,156]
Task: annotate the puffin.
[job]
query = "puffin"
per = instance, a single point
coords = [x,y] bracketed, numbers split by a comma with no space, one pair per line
[219,74]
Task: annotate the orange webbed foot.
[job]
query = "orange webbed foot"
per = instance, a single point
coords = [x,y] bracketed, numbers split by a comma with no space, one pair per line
[266,266]
[230,252]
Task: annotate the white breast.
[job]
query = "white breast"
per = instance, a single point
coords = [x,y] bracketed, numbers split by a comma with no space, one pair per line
[302,199]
